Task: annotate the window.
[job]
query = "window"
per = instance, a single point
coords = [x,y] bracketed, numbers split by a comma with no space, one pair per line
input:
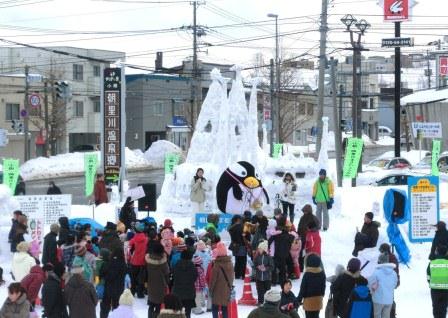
[78,72]
[157,109]
[96,106]
[302,108]
[96,71]
[310,109]
[12,111]
[78,109]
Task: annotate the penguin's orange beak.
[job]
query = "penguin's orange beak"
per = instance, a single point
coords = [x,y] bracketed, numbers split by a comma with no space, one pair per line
[251,182]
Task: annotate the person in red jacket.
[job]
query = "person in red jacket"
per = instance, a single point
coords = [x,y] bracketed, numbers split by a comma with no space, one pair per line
[33,282]
[100,192]
[313,241]
[137,247]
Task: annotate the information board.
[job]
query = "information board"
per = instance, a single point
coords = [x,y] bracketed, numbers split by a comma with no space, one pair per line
[224,221]
[428,130]
[48,208]
[424,203]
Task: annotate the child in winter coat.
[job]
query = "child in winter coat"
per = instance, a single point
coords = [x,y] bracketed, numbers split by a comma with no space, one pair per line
[296,247]
[360,302]
[125,306]
[264,265]
[81,261]
[288,302]
[200,285]
[16,305]
[22,261]
[313,240]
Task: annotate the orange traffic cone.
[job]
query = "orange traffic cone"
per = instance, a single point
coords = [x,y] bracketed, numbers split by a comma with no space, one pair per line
[248,298]
[232,309]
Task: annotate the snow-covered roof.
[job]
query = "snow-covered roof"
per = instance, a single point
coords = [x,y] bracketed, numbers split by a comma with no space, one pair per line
[425,97]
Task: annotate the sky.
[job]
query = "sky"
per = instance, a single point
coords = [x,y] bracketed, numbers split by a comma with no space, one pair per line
[140,28]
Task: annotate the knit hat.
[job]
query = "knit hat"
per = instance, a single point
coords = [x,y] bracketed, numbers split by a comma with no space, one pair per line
[139,227]
[167,223]
[126,299]
[77,266]
[307,208]
[322,172]
[23,247]
[354,265]
[383,258]
[55,228]
[313,260]
[272,296]
[200,246]
[80,250]
[221,249]
[197,260]
[263,246]
[369,215]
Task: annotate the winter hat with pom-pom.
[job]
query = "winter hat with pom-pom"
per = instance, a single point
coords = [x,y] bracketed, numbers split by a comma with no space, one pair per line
[221,249]
[272,296]
[126,299]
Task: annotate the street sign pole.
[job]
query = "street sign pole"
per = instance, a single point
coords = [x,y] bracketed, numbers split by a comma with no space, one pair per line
[397,91]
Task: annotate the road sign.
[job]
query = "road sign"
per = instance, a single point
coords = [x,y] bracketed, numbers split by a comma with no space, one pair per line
[443,65]
[396,10]
[23,113]
[267,114]
[427,130]
[34,100]
[397,42]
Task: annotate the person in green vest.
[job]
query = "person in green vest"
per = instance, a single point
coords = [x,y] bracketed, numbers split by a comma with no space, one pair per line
[438,282]
[323,193]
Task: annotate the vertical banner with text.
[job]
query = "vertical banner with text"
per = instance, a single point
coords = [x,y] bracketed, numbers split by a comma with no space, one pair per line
[112,124]
[277,150]
[352,157]
[436,145]
[10,173]
[171,161]
[90,166]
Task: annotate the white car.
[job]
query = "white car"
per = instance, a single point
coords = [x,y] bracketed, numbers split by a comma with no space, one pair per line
[385,131]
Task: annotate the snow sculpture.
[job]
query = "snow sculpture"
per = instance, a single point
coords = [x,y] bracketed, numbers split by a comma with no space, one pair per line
[7,205]
[252,138]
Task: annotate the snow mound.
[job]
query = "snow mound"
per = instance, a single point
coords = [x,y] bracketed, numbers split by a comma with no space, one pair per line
[385,141]
[156,153]
[7,205]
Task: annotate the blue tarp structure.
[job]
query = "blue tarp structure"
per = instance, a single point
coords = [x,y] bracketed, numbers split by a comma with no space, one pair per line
[396,211]
[94,224]
[149,220]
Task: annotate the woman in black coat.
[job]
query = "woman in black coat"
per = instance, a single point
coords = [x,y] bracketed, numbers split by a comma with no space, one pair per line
[52,294]
[237,246]
[184,276]
[127,214]
[113,273]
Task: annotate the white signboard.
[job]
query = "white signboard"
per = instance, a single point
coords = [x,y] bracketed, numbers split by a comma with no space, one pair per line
[428,130]
[3,137]
[136,193]
[48,208]
[424,204]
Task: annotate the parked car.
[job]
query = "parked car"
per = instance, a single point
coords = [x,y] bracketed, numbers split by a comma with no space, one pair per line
[385,131]
[442,163]
[393,180]
[425,163]
[389,163]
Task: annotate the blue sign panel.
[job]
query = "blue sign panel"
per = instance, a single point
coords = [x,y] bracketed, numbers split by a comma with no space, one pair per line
[179,121]
[224,221]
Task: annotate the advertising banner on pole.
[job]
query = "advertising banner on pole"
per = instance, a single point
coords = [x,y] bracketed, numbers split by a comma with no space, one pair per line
[353,153]
[90,166]
[171,161]
[10,173]
[428,130]
[424,203]
[436,145]
[397,10]
[277,151]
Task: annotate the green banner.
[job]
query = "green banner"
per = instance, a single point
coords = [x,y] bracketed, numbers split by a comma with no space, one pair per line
[90,166]
[171,161]
[436,145]
[277,151]
[352,157]
[11,173]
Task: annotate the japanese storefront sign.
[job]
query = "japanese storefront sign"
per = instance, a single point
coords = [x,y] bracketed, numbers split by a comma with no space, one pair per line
[436,145]
[112,144]
[171,161]
[352,157]
[10,173]
[90,166]
[424,203]
[277,151]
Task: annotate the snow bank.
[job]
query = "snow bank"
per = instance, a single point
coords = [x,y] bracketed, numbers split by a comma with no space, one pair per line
[73,163]
[156,153]
[385,141]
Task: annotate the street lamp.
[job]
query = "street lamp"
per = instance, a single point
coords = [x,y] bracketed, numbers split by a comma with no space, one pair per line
[361,27]
[275,111]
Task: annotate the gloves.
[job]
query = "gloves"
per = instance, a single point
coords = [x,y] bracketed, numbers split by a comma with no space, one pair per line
[331,201]
[314,200]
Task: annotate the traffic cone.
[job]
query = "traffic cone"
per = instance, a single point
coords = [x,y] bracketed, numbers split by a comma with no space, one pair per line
[232,309]
[248,298]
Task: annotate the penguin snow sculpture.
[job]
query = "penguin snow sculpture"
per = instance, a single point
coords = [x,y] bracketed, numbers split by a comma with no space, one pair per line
[238,188]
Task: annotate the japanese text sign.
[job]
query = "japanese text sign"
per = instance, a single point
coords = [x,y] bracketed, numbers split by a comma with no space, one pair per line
[10,173]
[352,157]
[90,166]
[171,161]
[436,145]
[277,150]
[224,221]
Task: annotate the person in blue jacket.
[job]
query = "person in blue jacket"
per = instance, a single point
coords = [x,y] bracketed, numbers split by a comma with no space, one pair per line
[360,303]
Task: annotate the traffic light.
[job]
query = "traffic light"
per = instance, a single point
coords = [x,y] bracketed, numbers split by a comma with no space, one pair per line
[63,90]
[17,126]
[343,125]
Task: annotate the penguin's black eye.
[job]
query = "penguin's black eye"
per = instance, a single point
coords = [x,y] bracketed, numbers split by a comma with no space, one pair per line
[243,173]
[238,170]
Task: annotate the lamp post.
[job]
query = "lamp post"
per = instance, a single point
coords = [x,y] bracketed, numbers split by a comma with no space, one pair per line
[275,111]
[361,27]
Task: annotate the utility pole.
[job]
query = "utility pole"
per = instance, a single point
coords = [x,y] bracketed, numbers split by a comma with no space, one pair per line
[428,68]
[46,148]
[271,93]
[322,61]
[26,118]
[277,78]
[337,122]
[195,68]
[397,91]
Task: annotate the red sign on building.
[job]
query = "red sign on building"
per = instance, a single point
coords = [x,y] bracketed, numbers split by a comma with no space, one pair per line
[396,10]
[443,65]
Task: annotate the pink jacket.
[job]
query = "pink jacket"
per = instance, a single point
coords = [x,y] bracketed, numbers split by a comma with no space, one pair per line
[295,251]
